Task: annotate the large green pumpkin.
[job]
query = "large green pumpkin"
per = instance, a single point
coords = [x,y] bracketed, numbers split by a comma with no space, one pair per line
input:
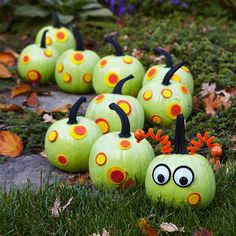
[117,160]
[180,178]
[99,111]
[74,68]
[58,37]
[163,102]
[111,69]
[37,62]
[157,73]
[68,142]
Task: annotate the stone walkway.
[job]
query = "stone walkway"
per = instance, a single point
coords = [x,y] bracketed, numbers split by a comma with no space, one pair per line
[35,168]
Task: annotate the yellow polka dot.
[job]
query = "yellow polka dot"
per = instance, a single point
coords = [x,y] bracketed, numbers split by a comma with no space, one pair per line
[176,78]
[101,159]
[156,119]
[25,59]
[185,68]
[103,124]
[194,199]
[127,60]
[48,41]
[34,76]
[60,67]
[147,95]
[125,106]
[67,78]
[78,131]
[47,52]
[52,137]
[87,78]
[166,93]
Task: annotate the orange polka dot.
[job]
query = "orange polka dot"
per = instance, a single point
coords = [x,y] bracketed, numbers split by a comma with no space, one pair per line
[77,58]
[112,79]
[147,95]
[62,159]
[60,67]
[184,89]
[103,63]
[116,175]
[127,60]
[155,119]
[67,78]
[101,159]
[100,98]
[48,41]
[25,59]
[185,69]
[125,106]
[78,131]
[173,110]
[87,78]
[61,36]
[151,73]
[103,124]
[34,76]
[52,137]
[125,144]
[166,93]
[176,78]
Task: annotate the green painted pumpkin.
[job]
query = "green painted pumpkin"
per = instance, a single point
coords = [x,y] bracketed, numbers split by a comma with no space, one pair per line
[58,37]
[68,142]
[116,159]
[98,109]
[110,69]
[37,62]
[157,73]
[180,178]
[163,102]
[75,67]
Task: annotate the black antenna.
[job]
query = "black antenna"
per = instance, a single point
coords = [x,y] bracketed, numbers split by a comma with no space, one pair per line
[78,39]
[119,85]
[168,57]
[115,44]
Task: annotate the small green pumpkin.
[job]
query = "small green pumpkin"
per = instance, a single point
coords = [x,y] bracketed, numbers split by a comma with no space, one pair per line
[158,72]
[68,142]
[180,178]
[163,102]
[37,62]
[98,109]
[58,37]
[110,69]
[116,159]
[75,67]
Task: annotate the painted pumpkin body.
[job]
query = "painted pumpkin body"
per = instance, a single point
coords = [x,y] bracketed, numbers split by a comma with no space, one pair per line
[74,71]
[200,192]
[116,161]
[60,38]
[37,65]
[157,73]
[162,104]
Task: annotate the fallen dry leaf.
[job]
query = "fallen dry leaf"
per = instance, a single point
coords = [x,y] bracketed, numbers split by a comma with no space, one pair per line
[22,89]
[137,53]
[104,233]
[11,107]
[146,229]
[32,100]
[43,154]
[11,144]
[156,59]
[48,118]
[212,103]
[203,232]
[234,141]
[170,227]
[62,109]
[15,54]
[216,165]
[7,58]
[207,89]
[4,72]
[56,210]
[81,179]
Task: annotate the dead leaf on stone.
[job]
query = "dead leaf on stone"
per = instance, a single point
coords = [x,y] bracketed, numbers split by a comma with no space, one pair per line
[56,210]
[43,154]
[104,233]
[62,109]
[11,144]
[7,58]
[32,100]
[81,179]
[203,232]
[22,89]
[48,118]
[146,229]
[11,107]
[170,227]
[4,72]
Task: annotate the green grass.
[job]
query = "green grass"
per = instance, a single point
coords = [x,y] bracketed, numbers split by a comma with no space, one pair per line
[27,212]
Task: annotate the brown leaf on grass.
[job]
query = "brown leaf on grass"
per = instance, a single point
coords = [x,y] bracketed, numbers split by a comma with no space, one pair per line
[11,144]
[146,229]
[7,58]
[11,107]
[170,227]
[212,103]
[56,210]
[23,88]
[48,118]
[232,91]
[207,89]
[216,165]
[4,72]
[203,232]
[15,54]
[234,141]
[137,53]
[32,100]
[197,104]
[62,109]
[81,179]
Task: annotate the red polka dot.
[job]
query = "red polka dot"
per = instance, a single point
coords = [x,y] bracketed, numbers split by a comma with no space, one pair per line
[125,144]
[113,79]
[62,160]
[103,62]
[128,183]
[60,35]
[99,97]
[175,110]
[26,58]
[117,176]
[78,57]
[184,89]
[79,130]
[151,72]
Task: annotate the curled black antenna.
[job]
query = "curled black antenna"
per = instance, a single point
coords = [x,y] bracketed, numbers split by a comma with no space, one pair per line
[168,57]
[78,39]
[115,44]
[119,85]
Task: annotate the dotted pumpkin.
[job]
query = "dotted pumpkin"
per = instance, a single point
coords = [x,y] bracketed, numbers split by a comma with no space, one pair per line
[68,142]
[37,62]
[99,111]
[74,68]
[163,102]
[116,159]
[180,178]
[110,69]
[58,37]
[158,72]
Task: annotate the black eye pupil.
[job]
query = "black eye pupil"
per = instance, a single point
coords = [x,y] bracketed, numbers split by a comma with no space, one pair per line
[183,180]
[161,178]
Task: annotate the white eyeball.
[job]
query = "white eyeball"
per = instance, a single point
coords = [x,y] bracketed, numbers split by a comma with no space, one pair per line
[183,176]
[161,174]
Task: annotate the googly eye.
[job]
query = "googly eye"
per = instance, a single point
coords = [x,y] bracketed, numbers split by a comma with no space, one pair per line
[161,174]
[183,176]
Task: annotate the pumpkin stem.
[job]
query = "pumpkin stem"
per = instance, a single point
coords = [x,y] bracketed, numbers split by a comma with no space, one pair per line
[115,44]
[43,39]
[74,110]
[171,71]
[119,85]
[125,129]
[78,39]
[168,57]
[180,142]
[56,22]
